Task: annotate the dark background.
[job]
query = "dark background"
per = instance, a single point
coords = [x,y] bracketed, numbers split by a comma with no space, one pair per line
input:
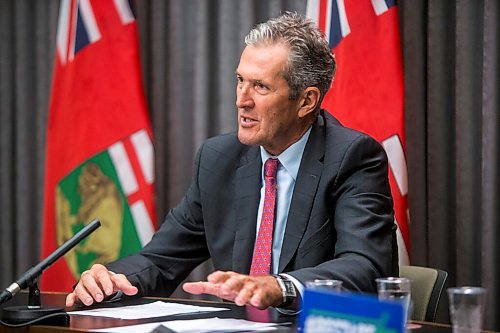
[190,49]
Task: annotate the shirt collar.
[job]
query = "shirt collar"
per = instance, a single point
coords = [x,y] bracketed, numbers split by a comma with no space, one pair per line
[290,158]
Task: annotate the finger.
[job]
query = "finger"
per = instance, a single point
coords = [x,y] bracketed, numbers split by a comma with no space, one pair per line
[81,293]
[258,301]
[235,283]
[197,288]
[103,277]
[121,282]
[244,295]
[70,299]
[90,287]
[219,276]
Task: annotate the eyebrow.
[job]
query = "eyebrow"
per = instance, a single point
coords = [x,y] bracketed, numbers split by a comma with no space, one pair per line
[253,80]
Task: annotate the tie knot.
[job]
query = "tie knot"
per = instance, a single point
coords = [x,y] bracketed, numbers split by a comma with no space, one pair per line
[271,167]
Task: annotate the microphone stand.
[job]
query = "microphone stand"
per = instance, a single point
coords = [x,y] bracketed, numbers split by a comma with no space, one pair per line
[25,315]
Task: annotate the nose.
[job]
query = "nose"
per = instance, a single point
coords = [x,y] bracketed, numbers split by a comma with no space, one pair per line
[243,96]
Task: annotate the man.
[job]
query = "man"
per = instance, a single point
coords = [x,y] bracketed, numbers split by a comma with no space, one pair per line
[294,192]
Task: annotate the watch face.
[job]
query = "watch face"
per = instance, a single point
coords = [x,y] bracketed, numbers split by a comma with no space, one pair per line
[289,288]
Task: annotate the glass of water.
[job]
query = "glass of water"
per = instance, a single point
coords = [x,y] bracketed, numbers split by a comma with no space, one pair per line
[328,285]
[396,289]
[466,309]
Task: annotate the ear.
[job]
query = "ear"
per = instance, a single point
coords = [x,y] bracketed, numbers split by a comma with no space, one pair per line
[308,101]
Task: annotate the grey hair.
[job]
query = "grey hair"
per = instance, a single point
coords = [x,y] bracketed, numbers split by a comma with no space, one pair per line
[311,62]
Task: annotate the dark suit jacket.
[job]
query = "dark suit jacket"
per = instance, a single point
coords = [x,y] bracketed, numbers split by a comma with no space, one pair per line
[340,223]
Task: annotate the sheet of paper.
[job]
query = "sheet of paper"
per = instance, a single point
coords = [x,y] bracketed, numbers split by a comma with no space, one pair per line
[216,325]
[196,326]
[150,310]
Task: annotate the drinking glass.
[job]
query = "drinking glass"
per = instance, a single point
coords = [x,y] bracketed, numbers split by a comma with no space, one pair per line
[396,289]
[330,285]
[466,309]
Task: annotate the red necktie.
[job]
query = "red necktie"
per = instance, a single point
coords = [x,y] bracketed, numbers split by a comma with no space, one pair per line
[261,261]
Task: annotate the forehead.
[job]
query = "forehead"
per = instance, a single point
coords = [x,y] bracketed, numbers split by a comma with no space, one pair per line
[265,60]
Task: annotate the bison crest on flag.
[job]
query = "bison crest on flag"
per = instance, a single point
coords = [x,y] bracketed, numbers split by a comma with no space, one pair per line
[96,189]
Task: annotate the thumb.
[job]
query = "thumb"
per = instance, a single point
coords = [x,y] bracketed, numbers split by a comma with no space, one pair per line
[123,284]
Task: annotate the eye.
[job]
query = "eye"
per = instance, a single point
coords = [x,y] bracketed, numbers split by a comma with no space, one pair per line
[239,79]
[260,86]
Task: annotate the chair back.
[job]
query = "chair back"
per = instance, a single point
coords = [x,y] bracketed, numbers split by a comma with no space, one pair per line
[427,285]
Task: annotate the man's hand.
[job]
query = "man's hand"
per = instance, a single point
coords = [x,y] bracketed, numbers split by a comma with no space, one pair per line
[97,283]
[258,291]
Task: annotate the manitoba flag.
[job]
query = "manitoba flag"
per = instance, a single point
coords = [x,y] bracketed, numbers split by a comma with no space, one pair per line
[99,160]
[367,93]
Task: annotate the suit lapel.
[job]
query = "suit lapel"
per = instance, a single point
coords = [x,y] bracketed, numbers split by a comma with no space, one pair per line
[304,192]
[247,193]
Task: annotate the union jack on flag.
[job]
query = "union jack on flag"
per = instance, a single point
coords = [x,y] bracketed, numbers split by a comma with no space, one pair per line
[77,26]
[332,19]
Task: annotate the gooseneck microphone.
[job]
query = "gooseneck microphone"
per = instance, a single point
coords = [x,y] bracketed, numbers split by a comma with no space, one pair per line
[33,273]
[30,277]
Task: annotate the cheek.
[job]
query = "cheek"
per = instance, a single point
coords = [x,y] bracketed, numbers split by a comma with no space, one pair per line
[273,124]
[272,115]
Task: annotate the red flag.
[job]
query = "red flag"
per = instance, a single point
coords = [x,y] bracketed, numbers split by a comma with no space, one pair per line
[99,150]
[367,93]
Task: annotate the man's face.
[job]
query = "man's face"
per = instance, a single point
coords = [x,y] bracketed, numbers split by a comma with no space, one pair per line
[266,116]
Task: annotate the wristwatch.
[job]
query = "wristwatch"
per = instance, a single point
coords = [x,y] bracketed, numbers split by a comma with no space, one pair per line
[288,290]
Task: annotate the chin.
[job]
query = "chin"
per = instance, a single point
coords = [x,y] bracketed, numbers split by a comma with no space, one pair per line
[246,140]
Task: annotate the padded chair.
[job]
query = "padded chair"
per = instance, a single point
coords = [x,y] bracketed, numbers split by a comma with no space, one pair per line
[427,284]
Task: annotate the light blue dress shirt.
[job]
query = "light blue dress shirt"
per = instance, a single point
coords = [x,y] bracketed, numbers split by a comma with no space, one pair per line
[286,177]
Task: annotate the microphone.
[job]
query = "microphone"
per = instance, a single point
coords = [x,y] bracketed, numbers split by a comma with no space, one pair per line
[30,277]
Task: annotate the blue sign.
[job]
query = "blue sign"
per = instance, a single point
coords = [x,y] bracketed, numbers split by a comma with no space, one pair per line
[330,312]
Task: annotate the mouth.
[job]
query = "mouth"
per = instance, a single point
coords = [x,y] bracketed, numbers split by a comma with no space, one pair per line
[247,121]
